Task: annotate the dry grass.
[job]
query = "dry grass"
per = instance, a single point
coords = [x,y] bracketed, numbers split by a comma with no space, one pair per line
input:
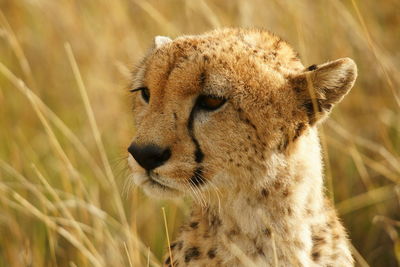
[65,122]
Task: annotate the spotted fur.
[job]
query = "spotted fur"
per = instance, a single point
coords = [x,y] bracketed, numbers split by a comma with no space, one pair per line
[253,166]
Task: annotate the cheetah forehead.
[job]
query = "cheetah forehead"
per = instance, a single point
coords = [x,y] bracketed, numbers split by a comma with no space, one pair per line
[245,39]
[233,46]
[246,59]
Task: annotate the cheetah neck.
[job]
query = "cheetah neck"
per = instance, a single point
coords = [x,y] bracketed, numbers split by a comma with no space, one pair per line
[267,215]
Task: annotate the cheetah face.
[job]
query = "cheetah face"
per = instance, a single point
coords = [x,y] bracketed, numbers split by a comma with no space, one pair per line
[188,132]
[189,129]
[212,112]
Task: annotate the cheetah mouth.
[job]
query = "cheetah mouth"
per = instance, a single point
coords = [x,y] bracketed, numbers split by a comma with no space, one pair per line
[153,180]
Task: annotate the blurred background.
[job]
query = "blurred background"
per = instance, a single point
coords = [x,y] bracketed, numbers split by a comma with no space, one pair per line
[65,122]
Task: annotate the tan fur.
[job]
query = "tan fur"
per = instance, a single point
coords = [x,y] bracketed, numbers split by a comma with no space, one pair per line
[262,201]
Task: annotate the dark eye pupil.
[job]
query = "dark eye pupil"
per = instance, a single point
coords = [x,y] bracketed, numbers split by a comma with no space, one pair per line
[210,102]
[145,94]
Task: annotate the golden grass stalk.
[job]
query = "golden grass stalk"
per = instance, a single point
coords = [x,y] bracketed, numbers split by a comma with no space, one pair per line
[67,213]
[100,147]
[53,139]
[49,223]
[167,234]
[95,129]
[375,53]
[369,198]
[157,17]
[238,253]
[127,254]
[358,257]
[19,52]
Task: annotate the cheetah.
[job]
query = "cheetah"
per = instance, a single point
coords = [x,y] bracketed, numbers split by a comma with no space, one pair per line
[230,119]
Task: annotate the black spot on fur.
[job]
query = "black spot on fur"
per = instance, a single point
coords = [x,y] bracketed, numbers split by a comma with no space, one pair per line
[299,130]
[277,185]
[192,253]
[267,232]
[194,225]
[289,211]
[202,79]
[215,221]
[206,234]
[197,178]
[264,192]
[246,120]
[336,236]
[232,233]
[284,143]
[318,240]
[277,44]
[251,124]
[168,260]
[212,253]
[312,67]
[315,256]
[297,89]
[179,245]
[285,192]
[327,106]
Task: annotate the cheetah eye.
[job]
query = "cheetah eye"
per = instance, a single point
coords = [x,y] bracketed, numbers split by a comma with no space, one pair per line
[144,91]
[210,102]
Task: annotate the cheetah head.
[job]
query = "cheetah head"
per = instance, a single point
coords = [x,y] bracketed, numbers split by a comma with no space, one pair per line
[218,110]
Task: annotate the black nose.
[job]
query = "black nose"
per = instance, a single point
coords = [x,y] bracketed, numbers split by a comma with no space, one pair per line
[149,156]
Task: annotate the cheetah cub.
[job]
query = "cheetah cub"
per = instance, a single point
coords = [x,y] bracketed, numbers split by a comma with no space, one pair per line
[229,117]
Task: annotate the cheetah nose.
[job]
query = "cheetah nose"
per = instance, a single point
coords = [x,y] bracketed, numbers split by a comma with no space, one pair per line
[149,156]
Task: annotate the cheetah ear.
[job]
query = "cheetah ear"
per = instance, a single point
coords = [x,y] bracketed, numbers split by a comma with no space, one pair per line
[161,40]
[320,87]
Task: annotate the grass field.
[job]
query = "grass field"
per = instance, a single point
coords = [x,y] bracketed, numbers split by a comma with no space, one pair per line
[65,122]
